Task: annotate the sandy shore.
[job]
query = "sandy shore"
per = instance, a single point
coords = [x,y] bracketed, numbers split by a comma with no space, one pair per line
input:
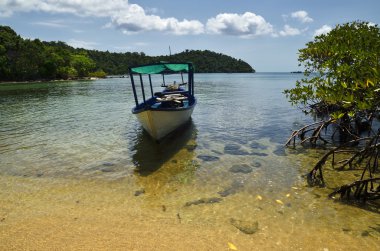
[53,214]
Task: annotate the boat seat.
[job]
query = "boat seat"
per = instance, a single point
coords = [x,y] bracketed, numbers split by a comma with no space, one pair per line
[176,97]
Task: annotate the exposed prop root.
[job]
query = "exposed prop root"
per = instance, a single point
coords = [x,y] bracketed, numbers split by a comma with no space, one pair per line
[363,190]
[309,133]
[367,187]
[315,176]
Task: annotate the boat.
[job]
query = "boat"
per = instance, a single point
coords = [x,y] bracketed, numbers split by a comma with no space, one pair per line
[162,112]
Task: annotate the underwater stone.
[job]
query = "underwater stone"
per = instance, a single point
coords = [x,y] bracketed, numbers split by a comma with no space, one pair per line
[234,188]
[204,201]
[260,154]
[280,151]
[256,145]
[108,164]
[246,227]
[139,192]
[107,170]
[208,157]
[244,168]
[217,152]
[365,233]
[234,149]
[256,164]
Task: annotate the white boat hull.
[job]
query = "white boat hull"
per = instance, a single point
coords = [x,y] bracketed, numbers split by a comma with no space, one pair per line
[159,123]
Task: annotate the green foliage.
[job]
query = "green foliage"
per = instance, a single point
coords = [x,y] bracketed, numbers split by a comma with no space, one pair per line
[67,72]
[204,61]
[82,64]
[341,72]
[210,62]
[23,60]
[98,74]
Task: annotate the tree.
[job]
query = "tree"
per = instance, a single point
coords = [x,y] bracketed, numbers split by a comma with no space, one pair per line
[82,64]
[25,59]
[342,86]
[342,71]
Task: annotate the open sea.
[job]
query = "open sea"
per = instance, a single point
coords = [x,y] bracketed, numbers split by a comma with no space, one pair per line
[77,172]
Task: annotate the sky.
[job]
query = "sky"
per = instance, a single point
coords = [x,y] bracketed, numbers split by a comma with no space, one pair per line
[267,34]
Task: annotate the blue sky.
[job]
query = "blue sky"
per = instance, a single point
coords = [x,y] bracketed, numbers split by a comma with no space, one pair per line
[267,33]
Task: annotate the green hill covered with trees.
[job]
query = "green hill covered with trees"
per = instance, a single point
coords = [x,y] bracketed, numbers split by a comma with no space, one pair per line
[25,60]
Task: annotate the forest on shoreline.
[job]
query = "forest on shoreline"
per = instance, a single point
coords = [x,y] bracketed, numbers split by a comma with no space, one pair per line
[31,60]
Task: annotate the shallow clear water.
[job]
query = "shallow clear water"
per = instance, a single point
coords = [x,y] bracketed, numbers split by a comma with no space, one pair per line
[85,130]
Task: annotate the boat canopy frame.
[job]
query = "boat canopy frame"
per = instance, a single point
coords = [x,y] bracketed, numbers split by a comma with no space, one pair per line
[162,68]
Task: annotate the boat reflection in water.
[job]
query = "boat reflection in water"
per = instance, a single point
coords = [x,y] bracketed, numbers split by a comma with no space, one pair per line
[171,155]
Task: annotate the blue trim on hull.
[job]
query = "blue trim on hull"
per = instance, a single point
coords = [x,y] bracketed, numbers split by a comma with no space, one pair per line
[151,103]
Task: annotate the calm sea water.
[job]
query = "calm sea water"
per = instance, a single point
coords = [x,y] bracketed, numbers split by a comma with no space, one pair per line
[70,128]
[230,154]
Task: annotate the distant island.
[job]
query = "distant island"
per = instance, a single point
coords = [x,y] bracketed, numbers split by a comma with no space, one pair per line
[31,60]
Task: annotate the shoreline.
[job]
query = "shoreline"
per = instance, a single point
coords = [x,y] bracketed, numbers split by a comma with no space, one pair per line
[60,214]
[47,81]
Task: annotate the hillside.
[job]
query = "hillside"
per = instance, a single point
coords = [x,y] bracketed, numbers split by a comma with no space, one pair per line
[204,61]
[25,59]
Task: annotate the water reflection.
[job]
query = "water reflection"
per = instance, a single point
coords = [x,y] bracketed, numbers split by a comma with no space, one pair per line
[162,168]
[150,156]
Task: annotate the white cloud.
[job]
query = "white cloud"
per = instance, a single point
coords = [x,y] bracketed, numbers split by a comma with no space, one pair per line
[136,20]
[125,16]
[247,24]
[323,30]
[82,44]
[132,18]
[289,31]
[302,16]
[53,24]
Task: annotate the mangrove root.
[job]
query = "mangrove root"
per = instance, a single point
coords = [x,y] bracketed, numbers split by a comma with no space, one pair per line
[367,187]
[309,133]
[364,190]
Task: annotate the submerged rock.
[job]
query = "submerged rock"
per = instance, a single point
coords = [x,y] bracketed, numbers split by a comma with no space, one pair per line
[256,164]
[247,227]
[107,167]
[256,145]
[234,149]
[280,151]
[208,157]
[234,188]
[107,170]
[260,154]
[139,192]
[365,233]
[244,168]
[203,201]
[231,147]
[217,152]
[108,164]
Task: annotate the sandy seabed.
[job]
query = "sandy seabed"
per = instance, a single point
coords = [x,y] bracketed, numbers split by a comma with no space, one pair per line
[61,214]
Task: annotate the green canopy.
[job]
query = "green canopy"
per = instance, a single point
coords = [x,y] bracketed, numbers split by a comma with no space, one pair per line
[162,68]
